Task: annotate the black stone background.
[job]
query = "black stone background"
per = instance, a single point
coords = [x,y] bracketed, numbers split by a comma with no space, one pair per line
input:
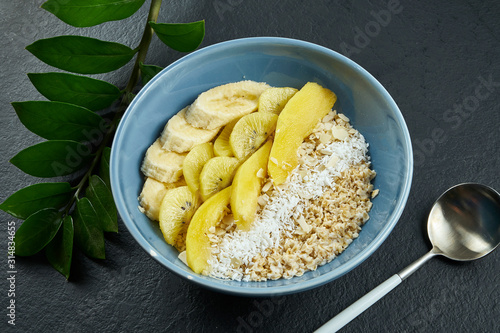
[430,57]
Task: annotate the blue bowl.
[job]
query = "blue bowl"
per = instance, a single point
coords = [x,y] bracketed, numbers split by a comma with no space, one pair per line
[279,62]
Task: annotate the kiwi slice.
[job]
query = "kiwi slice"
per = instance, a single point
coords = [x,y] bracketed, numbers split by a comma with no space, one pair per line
[250,132]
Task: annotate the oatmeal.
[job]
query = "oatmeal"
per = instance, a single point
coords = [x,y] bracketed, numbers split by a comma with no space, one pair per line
[307,221]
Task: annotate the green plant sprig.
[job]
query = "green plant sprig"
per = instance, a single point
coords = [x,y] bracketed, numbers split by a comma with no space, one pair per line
[56,215]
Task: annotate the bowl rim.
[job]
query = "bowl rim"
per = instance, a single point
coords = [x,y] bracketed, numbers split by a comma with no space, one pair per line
[286,288]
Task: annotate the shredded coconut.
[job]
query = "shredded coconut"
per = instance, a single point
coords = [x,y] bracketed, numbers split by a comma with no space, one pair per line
[285,205]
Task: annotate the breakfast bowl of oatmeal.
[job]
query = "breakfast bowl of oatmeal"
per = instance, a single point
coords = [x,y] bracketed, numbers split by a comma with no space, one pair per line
[261,166]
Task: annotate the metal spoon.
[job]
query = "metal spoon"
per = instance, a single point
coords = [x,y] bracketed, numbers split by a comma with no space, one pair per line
[464,224]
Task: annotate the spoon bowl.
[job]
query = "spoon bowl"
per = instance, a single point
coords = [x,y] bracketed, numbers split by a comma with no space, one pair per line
[463,225]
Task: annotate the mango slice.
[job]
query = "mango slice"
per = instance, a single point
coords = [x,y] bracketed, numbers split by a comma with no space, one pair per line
[295,122]
[208,215]
[247,186]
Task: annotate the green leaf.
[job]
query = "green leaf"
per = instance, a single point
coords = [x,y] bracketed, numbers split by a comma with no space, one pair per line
[59,251]
[35,197]
[183,37]
[59,121]
[104,166]
[37,231]
[84,91]
[86,13]
[102,200]
[88,233]
[80,54]
[148,72]
[52,158]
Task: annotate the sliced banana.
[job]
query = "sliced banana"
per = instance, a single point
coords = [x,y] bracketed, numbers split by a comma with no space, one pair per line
[250,132]
[216,175]
[177,208]
[179,136]
[152,194]
[218,106]
[194,162]
[221,144]
[162,165]
[150,198]
[274,99]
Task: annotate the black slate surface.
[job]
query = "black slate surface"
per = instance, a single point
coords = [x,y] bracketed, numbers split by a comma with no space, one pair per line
[440,62]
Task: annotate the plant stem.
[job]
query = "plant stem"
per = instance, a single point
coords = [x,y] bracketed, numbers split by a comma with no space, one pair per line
[109,134]
[98,154]
[143,47]
[154,10]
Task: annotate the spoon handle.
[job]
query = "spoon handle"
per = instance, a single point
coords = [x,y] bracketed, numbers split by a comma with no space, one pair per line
[355,309]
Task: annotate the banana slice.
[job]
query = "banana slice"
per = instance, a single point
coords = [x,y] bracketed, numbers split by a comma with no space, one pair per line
[177,208]
[216,175]
[250,132]
[274,99]
[221,144]
[179,136]
[162,165]
[152,194]
[194,162]
[218,106]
